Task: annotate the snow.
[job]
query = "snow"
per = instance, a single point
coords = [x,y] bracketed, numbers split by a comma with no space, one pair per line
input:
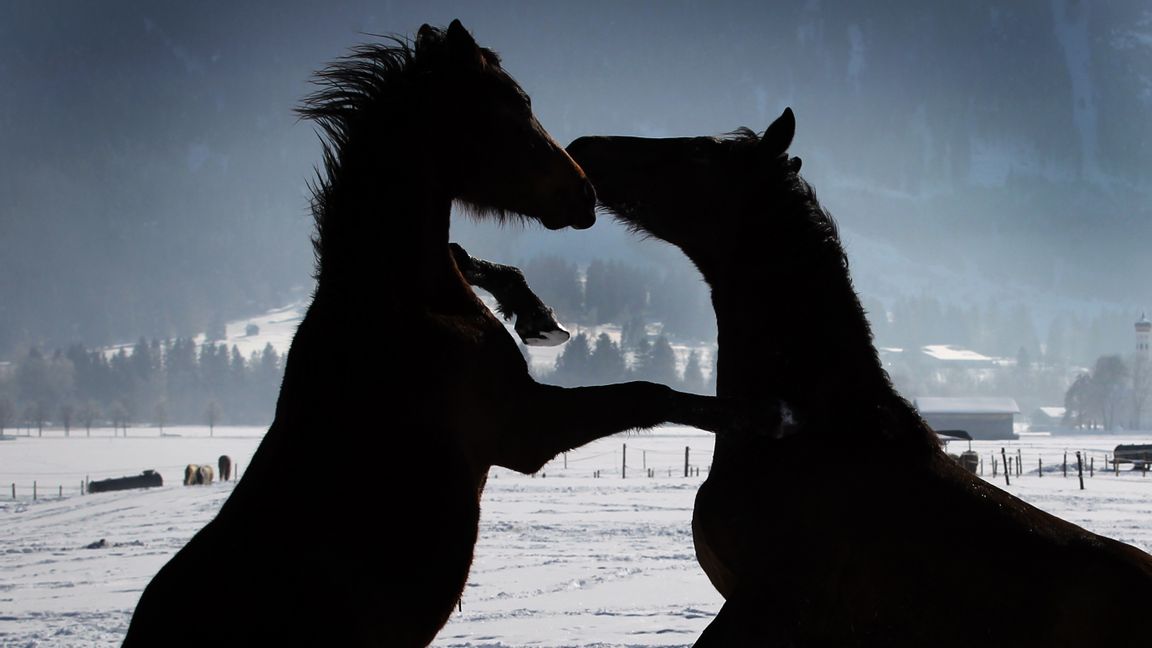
[563,559]
[966,405]
[952,353]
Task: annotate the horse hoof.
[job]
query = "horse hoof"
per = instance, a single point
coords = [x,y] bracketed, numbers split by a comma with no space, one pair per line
[554,337]
[541,329]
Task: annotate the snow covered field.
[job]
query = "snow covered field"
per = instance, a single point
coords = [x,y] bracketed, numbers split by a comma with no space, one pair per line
[564,558]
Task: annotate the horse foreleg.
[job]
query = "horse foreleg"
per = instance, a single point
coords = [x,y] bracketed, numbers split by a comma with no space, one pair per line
[549,420]
[535,322]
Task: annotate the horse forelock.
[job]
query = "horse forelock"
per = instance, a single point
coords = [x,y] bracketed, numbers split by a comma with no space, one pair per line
[742,135]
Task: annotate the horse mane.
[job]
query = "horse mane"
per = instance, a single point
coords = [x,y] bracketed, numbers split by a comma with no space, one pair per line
[365,81]
[795,193]
[820,238]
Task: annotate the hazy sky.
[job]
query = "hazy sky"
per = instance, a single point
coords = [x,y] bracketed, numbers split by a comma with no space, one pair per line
[149,154]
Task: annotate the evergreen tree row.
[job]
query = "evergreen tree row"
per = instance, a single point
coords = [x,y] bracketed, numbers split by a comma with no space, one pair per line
[604,362]
[616,292]
[156,383]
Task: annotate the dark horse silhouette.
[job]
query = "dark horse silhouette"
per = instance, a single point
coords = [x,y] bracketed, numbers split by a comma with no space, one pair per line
[416,422]
[225,465]
[899,546]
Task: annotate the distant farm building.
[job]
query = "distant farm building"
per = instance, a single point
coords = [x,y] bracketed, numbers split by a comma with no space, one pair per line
[982,418]
[1047,419]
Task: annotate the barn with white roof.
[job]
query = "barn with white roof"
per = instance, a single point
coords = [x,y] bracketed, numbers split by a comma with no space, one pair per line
[981,417]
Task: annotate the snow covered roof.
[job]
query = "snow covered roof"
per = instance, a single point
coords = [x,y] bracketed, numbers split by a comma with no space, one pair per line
[968,405]
[950,353]
[1052,412]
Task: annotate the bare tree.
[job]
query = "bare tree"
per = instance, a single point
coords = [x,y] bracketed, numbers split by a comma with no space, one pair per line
[1076,401]
[67,411]
[119,415]
[7,413]
[212,414]
[34,414]
[89,412]
[161,415]
[1109,378]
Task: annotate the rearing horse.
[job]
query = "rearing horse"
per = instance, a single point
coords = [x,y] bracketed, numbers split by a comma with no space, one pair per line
[899,546]
[417,418]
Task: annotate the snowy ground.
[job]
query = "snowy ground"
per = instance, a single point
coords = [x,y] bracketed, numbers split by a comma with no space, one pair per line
[565,558]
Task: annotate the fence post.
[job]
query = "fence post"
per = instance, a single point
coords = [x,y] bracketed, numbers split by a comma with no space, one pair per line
[13,490]
[1040,464]
[644,459]
[60,494]
[1007,468]
[1116,465]
[565,464]
[994,471]
[624,463]
[1080,469]
[33,490]
[685,461]
[1065,469]
[1091,466]
[1019,463]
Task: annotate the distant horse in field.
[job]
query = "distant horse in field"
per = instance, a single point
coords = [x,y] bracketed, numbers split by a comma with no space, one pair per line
[224,463]
[198,474]
[409,131]
[900,545]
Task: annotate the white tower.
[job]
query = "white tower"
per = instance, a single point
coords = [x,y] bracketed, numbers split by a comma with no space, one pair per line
[1143,335]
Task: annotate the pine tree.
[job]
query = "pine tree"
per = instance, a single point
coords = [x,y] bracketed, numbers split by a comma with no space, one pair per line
[572,365]
[634,331]
[659,364]
[606,362]
[694,374]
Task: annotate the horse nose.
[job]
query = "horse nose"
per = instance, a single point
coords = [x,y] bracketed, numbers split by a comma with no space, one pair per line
[589,194]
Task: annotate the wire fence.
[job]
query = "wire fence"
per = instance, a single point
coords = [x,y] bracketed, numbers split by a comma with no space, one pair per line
[61,485]
[997,465]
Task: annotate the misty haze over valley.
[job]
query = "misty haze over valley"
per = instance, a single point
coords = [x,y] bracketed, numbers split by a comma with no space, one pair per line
[988,163]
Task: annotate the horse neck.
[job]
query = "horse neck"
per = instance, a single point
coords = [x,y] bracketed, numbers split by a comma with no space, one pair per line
[805,339]
[384,231]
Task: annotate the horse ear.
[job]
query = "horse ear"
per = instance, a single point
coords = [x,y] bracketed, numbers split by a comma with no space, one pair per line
[424,37]
[779,135]
[794,164]
[462,48]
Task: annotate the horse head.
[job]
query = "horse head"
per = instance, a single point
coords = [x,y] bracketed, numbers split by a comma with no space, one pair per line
[713,197]
[507,164]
